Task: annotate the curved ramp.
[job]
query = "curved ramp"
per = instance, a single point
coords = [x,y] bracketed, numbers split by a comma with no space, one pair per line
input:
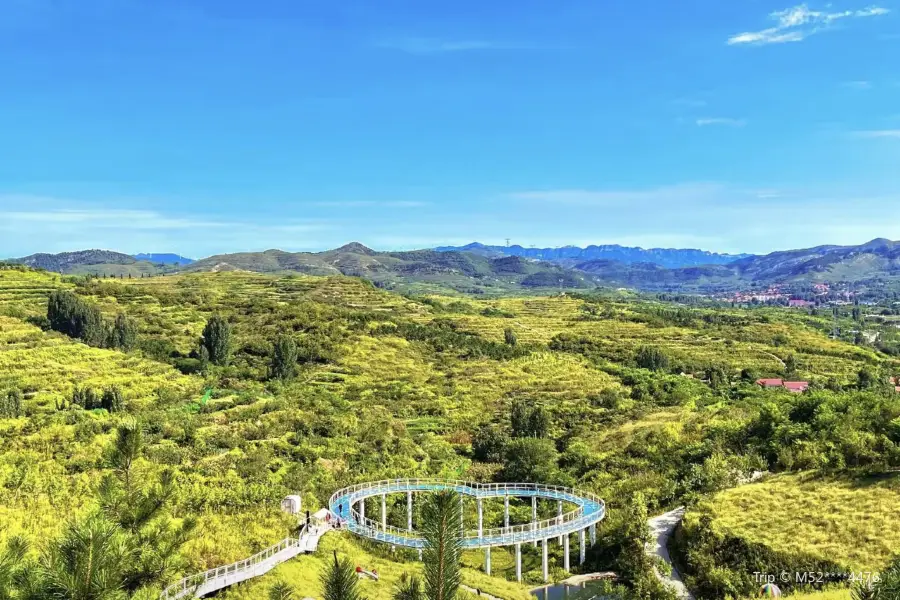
[589,510]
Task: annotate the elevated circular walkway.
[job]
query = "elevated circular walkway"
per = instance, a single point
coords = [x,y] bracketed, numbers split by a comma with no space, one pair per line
[587,512]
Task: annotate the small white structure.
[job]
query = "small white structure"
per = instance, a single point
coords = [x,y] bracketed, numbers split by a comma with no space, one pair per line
[292,505]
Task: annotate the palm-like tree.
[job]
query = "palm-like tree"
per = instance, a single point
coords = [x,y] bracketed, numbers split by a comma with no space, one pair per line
[442,530]
[339,581]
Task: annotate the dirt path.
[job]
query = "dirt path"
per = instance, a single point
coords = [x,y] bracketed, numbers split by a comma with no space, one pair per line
[661,528]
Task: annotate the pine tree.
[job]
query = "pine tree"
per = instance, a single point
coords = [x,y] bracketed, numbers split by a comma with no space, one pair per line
[339,581]
[12,407]
[441,528]
[124,333]
[281,590]
[284,358]
[112,400]
[409,587]
[217,340]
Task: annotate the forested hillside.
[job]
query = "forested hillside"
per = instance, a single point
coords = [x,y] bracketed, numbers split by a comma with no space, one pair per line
[248,387]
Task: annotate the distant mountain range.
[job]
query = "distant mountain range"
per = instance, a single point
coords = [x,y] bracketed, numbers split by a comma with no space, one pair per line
[461,271]
[571,255]
[481,269]
[164,259]
[95,262]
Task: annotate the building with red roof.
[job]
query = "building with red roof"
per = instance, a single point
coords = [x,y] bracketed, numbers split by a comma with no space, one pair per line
[770,383]
[796,387]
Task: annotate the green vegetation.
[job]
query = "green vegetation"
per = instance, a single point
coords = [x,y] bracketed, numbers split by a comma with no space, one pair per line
[311,383]
[442,518]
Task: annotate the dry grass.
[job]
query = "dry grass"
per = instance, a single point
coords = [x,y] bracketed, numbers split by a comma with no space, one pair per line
[853,523]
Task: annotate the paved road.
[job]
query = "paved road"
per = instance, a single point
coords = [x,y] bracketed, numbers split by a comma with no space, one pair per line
[661,528]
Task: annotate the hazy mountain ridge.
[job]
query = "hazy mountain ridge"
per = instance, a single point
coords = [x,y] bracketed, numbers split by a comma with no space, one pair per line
[572,255]
[461,271]
[164,258]
[485,271]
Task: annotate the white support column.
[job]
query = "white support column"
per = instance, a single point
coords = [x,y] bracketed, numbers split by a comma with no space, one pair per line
[559,512]
[566,564]
[545,567]
[593,534]
[534,516]
[409,511]
[581,548]
[506,511]
[519,563]
[480,517]
[384,512]
[362,511]
[487,560]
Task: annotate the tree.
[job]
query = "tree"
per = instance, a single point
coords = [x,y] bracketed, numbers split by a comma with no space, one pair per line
[527,420]
[717,376]
[790,366]
[538,422]
[217,340]
[339,581]
[138,507]
[11,405]
[622,543]
[488,444]
[865,379]
[509,336]
[86,398]
[530,460]
[409,587]
[284,358]
[112,400]
[652,358]
[69,314]
[281,590]
[86,563]
[442,530]
[12,566]
[519,418]
[123,334]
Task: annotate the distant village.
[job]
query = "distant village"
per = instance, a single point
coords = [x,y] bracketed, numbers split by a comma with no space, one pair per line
[817,294]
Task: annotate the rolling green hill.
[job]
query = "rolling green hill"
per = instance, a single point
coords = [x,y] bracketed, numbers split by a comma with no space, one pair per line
[419,270]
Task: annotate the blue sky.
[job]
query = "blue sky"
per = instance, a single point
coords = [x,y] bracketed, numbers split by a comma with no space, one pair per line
[216,126]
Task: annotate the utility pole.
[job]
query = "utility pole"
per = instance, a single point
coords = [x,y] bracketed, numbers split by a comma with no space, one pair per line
[507,242]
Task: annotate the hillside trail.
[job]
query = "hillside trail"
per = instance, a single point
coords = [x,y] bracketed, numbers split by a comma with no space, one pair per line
[661,528]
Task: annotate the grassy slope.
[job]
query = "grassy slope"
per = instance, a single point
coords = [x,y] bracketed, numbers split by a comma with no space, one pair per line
[402,404]
[303,573]
[850,522]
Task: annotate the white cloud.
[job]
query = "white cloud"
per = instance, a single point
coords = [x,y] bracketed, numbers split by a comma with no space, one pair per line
[797,23]
[723,121]
[858,85]
[880,134]
[25,230]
